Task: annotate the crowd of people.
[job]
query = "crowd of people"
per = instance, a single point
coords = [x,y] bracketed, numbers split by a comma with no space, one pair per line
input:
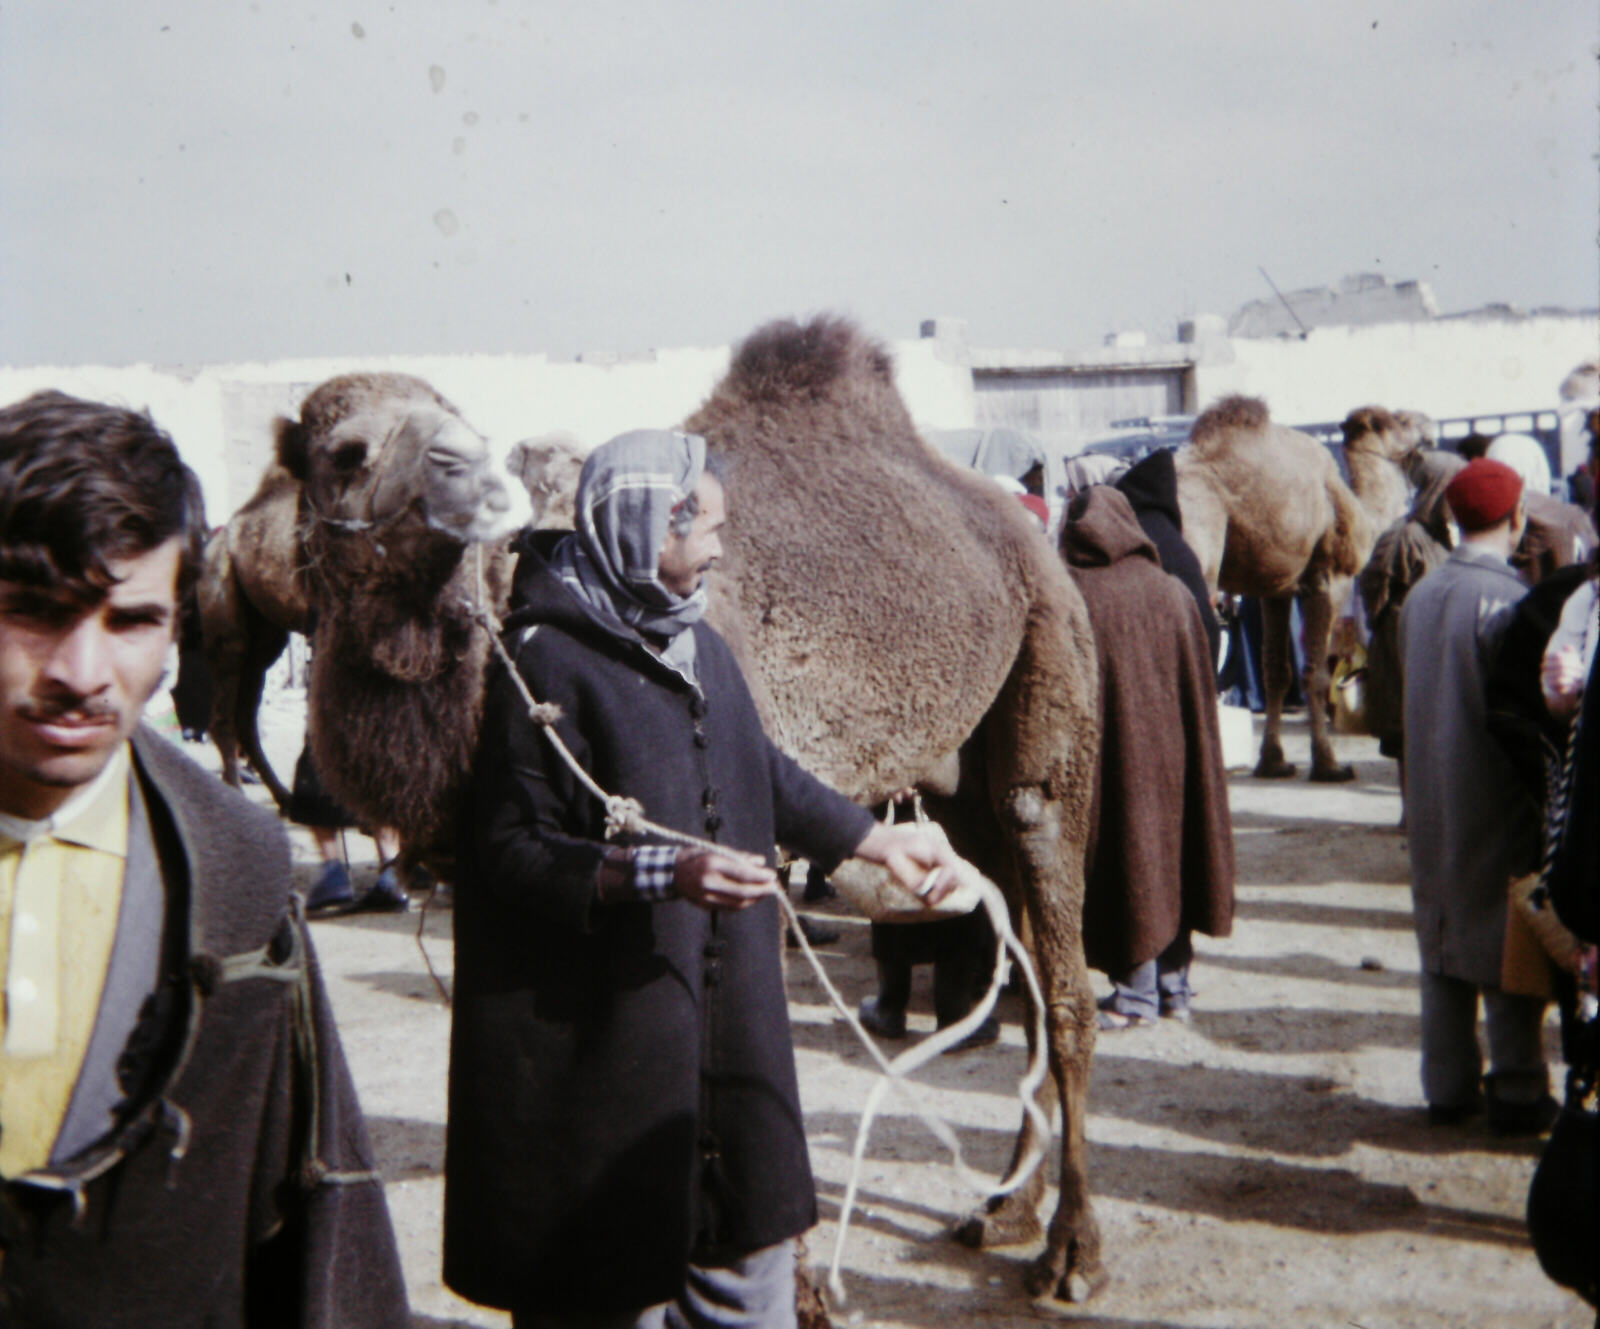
[180,1141]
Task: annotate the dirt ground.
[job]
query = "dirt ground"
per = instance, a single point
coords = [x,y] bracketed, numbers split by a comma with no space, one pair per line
[1268,1165]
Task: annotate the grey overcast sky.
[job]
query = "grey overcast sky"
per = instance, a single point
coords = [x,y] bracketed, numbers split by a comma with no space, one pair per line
[186,181]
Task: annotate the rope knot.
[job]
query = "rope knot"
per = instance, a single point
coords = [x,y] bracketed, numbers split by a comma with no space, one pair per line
[623,816]
[544,712]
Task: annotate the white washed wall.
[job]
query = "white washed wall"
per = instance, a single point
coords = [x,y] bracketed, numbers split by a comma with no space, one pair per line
[221,416]
[1447,367]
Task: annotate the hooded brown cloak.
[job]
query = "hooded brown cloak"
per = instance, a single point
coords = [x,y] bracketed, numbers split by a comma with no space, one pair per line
[1161,848]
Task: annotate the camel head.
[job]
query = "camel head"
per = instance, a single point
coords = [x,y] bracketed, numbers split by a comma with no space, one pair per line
[1391,435]
[380,451]
[1421,426]
[549,466]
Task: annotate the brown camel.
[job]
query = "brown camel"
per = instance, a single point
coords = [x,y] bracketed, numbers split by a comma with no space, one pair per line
[253,590]
[381,489]
[1266,512]
[902,622]
[251,597]
[548,467]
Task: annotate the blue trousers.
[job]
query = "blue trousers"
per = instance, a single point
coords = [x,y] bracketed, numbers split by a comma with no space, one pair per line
[755,1292]
[1156,985]
[1452,1061]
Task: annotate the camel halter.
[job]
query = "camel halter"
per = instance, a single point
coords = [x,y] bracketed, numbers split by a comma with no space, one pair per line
[626,815]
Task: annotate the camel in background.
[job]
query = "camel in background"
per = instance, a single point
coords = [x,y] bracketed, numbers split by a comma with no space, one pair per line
[903,622]
[1268,515]
[252,596]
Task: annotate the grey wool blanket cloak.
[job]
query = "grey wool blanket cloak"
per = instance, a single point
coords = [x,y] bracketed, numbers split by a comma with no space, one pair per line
[237,1189]
[1471,824]
[1161,840]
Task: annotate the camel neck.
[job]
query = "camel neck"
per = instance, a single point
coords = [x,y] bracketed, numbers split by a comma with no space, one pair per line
[1378,482]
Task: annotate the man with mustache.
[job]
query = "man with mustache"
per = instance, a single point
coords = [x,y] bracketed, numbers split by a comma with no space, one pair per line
[180,1143]
[626,1146]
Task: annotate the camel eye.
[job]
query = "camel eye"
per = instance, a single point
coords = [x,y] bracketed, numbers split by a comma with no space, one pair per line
[348,456]
[451,463]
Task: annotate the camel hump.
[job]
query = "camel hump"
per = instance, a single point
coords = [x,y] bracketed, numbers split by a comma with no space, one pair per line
[1229,416]
[786,359]
[1348,540]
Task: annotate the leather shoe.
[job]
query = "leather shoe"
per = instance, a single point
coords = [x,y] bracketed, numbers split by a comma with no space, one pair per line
[331,890]
[1512,1119]
[818,934]
[883,1021]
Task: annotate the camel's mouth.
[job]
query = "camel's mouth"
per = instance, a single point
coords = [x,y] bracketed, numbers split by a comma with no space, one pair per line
[468,490]
[504,510]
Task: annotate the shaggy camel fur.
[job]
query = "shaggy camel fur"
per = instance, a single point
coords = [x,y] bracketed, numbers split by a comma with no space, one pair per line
[1267,513]
[252,596]
[548,467]
[253,587]
[392,489]
[903,622]
[253,593]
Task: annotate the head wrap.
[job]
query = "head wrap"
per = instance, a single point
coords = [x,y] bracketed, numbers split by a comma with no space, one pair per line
[1524,456]
[626,494]
[1483,494]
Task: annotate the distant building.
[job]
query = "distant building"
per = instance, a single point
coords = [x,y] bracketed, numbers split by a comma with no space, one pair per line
[1369,342]
[1361,299]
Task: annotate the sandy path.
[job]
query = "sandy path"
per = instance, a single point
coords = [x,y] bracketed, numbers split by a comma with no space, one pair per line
[1268,1165]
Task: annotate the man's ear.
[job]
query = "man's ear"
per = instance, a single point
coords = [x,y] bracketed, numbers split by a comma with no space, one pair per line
[289,441]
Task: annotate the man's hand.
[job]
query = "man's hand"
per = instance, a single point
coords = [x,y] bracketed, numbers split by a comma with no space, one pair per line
[1562,676]
[919,859]
[722,878]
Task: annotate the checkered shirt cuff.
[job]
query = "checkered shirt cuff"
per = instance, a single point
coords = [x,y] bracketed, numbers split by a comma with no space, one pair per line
[653,868]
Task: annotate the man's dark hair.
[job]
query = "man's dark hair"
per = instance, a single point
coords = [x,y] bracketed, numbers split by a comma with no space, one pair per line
[83,484]
[1473,446]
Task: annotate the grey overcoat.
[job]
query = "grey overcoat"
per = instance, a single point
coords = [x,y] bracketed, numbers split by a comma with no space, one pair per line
[1470,822]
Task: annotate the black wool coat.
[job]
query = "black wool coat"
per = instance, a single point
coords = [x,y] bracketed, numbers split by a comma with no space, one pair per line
[239,1190]
[1160,854]
[623,1095]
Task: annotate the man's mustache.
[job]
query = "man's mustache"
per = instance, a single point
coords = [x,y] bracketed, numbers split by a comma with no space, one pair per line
[76,708]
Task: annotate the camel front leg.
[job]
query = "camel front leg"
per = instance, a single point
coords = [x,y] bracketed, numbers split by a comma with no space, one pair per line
[1276,671]
[1316,604]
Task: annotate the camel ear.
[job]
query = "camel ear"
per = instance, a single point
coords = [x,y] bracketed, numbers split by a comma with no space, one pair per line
[289,440]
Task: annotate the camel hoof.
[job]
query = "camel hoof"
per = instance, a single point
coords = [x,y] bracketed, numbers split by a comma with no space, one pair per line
[1078,1291]
[1278,769]
[1000,1226]
[1060,1293]
[1333,774]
